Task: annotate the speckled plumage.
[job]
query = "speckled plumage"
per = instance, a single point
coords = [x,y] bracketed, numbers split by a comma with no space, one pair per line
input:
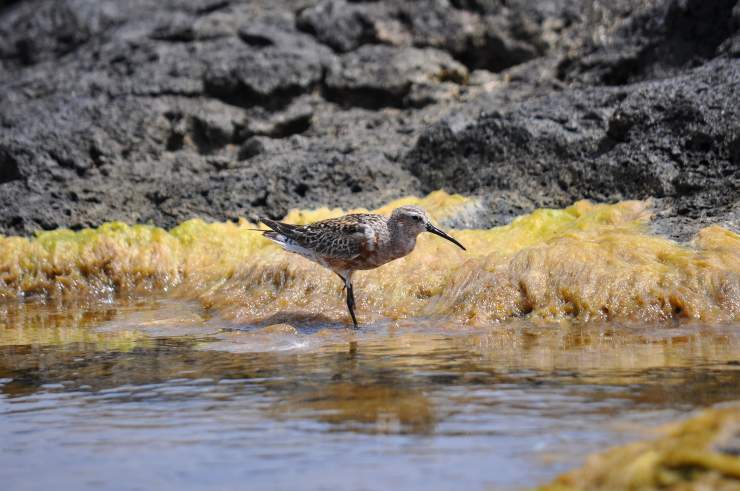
[355,242]
[345,238]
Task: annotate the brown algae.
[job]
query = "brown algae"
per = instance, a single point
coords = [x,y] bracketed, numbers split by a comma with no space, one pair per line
[585,262]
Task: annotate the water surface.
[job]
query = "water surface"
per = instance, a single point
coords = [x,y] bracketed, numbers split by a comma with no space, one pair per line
[160,394]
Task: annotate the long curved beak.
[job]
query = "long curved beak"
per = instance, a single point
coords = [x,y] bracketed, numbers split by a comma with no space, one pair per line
[431,228]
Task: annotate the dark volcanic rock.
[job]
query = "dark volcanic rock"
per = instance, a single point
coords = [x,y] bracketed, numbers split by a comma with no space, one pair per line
[656,42]
[160,111]
[341,25]
[493,37]
[673,139]
[266,77]
[379,76]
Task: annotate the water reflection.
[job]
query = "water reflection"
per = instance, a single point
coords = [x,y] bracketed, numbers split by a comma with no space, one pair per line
[430,406]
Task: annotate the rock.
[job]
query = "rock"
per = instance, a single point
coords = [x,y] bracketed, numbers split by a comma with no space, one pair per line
[163,111]
[294,119]
[673,139]
[379,76]
[50,30]
[655,42]
[267,77]
[492,42]
[341,25]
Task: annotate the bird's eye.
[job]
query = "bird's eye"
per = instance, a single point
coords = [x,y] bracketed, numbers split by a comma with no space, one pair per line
[417,218]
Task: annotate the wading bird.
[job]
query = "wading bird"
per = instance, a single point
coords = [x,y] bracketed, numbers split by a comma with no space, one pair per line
[355,242]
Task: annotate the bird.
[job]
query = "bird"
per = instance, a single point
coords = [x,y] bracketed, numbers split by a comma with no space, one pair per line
[358,241]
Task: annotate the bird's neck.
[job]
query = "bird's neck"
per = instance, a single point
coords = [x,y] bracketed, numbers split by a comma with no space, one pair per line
[403,240]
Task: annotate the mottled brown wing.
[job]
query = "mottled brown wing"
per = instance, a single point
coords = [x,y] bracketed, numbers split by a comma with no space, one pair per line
[344,237]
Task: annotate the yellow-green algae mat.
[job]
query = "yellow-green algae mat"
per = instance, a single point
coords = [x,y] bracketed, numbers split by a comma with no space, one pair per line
[700,454]
[584,262]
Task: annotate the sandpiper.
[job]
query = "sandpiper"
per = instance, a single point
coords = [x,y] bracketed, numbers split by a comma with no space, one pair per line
[355,242]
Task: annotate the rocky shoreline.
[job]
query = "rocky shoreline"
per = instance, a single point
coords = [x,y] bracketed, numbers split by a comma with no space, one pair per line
[157,112]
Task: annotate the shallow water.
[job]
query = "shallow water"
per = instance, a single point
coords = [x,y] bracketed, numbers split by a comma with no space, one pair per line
[158,393]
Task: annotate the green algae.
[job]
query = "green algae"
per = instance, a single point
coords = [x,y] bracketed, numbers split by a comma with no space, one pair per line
[587,262]
[700,453]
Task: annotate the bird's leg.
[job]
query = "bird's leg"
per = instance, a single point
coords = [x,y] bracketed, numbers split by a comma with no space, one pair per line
[351,304]
[344,282]
[350,298]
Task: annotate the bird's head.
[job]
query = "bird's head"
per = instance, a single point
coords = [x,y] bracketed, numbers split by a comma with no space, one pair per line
[414,220]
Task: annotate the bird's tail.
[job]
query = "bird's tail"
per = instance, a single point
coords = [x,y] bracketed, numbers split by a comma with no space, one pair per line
[270,223]
[274,233]
[285,229]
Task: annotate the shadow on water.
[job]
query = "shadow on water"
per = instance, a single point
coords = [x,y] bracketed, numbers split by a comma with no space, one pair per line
[207,404]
